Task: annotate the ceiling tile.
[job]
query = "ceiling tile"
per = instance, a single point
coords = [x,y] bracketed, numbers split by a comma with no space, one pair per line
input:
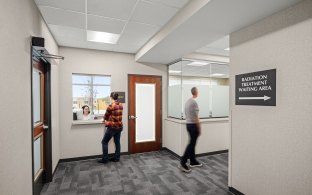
[153,13]
[61,17]
[119,9]
[75,37]
[100,46]
[135,36]
[68,36]
[99,23]
[171,3]
[74,5]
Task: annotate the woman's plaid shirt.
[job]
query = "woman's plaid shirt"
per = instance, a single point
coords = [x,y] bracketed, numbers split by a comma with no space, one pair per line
[113,115]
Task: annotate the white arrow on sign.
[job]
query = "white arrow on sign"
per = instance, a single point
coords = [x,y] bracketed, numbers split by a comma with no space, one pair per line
[255,98]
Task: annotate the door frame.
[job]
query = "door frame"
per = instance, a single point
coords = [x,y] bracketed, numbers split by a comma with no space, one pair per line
[161,111]
[46,176]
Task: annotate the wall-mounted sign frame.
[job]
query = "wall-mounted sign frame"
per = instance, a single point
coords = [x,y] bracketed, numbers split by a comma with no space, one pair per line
[256,88]
[121,96]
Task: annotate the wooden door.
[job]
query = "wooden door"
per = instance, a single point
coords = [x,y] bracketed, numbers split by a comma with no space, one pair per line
[41,120]
[144,114]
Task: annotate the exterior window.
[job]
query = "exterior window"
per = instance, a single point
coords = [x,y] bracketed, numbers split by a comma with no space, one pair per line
[93,91]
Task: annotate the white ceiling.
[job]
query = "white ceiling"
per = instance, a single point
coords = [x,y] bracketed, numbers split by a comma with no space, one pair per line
[215,19]
[136,20]
[217,47]
[199,71]
[157,31]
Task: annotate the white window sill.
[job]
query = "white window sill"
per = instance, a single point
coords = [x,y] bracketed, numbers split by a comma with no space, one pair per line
[87,122]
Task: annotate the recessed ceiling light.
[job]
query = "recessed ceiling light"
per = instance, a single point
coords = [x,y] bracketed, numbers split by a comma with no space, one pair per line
[227,49]
[217,74]
[102,37]
[175,71]
[198,64]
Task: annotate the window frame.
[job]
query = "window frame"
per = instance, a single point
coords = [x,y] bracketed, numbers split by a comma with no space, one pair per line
[91,85]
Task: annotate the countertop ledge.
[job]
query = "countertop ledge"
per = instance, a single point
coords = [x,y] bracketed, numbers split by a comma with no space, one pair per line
[87,122]
[226,119]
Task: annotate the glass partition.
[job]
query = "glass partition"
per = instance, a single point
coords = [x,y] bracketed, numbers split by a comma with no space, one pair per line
[212,82]
[175,90]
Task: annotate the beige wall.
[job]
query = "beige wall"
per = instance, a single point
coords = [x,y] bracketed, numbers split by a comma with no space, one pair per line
[271,146]
[19,21]
[85,140]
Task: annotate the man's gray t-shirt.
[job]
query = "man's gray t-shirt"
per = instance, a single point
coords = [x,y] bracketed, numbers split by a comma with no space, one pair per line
[191,111]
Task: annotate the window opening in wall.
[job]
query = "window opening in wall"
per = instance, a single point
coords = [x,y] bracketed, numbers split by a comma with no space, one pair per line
[212,81]
[92,91]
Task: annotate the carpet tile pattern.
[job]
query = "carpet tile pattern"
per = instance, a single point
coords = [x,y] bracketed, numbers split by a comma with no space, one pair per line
[146,173]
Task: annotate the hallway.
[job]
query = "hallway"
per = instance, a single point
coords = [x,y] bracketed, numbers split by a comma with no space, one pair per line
[145,173]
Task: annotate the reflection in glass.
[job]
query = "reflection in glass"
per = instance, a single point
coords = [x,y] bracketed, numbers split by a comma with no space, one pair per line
[175,90]
[220,101]
[36,96]
[212,81]
[37,155]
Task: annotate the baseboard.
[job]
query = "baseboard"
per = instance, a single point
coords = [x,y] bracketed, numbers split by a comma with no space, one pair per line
[87,157]
[172,153]
[55,169]
[234,191]
[197,155]
[212,153]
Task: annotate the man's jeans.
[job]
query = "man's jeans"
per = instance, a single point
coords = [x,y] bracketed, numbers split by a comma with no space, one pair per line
[110,132]
[190,149]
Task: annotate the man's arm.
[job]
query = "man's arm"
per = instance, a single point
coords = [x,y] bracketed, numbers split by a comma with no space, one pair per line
[196,109]
[198,126]
[107,114]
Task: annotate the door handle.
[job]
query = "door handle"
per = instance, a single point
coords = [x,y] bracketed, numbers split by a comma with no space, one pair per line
[45,127]
[132,117]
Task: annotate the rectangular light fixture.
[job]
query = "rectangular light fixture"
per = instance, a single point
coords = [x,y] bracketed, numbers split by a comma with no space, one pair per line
[174,71]
[198,64]
[102,37]
[227,49]
[217,74]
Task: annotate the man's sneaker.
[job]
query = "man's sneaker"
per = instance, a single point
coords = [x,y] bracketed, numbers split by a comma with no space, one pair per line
[102,161]
[196,164]
[184,168]
[113,159]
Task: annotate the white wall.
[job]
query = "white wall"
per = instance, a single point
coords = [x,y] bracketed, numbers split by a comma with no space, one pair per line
[85,140]
[271,146]
[19,21]
[214,136]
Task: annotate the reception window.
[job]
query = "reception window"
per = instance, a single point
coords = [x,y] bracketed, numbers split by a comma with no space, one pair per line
[93,91]
[212,82]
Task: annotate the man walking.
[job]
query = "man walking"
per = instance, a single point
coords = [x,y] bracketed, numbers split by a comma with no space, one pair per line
[193,129]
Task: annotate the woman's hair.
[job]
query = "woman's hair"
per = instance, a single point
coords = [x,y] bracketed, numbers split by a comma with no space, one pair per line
[83,107]
[114,95]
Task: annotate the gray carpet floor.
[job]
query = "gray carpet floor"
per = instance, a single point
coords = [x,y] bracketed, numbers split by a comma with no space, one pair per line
[145,173]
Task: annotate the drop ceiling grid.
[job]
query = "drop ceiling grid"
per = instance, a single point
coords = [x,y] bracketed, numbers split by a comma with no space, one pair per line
[136,20]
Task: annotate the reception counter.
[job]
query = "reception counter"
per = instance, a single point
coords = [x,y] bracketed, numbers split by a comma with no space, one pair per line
[214,135]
